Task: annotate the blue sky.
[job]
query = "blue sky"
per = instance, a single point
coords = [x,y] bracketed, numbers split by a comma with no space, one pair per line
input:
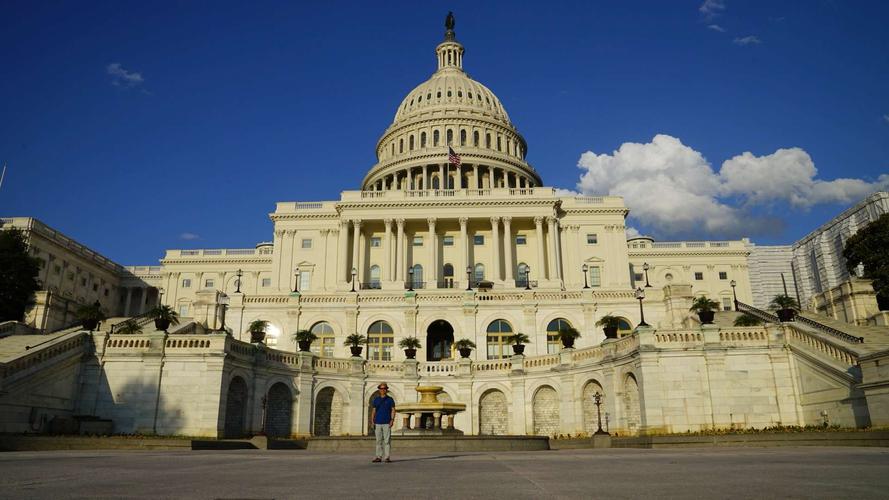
[140,126]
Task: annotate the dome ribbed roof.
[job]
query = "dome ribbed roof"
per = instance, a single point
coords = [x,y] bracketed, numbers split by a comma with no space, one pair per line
[452,91]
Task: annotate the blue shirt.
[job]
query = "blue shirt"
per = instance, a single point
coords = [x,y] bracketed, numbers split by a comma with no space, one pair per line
[383,406]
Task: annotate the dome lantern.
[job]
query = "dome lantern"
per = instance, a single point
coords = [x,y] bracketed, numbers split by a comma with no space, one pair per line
[450,52]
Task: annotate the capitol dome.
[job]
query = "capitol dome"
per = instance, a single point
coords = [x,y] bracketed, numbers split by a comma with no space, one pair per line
[450,109]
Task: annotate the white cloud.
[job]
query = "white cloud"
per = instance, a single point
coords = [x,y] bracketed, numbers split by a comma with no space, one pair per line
[886,117]
[712,8]
[189,236]
[121,77]
[672,189]
[716,27]
[748,40]
[632,232]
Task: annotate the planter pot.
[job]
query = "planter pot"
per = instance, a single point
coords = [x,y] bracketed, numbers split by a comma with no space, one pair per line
[90,324]
[568,343]
[257,337]
[785,315]
[706,317]
[304,345]
[518,348]
[410,353]
[162,324]
[465,352]
[610,332]
[356,350]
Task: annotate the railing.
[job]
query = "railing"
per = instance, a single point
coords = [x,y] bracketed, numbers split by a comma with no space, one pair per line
[140,320]
[62,346]
[771,318]
[543,361]
[414,285]
[838,353]
[440,367]
[373,285]
[756,313]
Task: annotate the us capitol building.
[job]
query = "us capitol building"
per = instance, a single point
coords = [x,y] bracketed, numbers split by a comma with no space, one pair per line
[452,235]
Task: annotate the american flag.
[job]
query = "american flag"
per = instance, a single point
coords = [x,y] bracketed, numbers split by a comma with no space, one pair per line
[453,157]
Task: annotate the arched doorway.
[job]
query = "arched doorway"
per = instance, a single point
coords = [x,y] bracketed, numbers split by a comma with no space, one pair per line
[278,411]
[493,414]
[545,411]
[328,413]
[235,409]
[632,408]
[439,339]
[590,412]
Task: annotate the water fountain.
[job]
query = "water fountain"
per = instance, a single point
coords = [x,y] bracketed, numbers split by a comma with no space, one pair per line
[431,417]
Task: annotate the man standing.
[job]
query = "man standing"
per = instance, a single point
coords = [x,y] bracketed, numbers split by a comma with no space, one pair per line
[383,416]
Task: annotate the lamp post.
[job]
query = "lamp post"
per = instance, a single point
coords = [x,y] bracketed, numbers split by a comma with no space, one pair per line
[598,399]
[160,296]
[224,302]
[354,273]
[646,267]
[238,281]
[410,282]
[640,295]
[527,277]
[296,280]
[734,283]
[468,278]
[586,269]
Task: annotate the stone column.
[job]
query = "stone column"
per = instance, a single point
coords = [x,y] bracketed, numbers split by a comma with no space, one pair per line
[541,256]
[495,247]
[442,182]
[290,253]
[464,247]
[278,253]
[400,253]
[558,239]
[551,236]
[126,307]
[431,275]
[425,177]
[325,234]
[342,266]
[356,239]
[507,247]
[390,252]
[475,183]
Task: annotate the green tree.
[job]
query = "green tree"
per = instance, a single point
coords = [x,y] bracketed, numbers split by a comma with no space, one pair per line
[18,275]
[869,247]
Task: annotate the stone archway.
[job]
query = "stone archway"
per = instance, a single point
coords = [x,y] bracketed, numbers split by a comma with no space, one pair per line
[439,339]
[279,411]
[235,409]
[632,410]
[328,413]
[493,414]
[545,410]
[590,415]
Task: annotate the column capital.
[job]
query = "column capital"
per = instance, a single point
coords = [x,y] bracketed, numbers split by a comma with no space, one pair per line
[356,223]
[507,220]
[400,222]
[290,232]
[387,222]
[325,231]
[463,222]
[495,220]
[539,220]
[551,220]
[431,221]
[279,232]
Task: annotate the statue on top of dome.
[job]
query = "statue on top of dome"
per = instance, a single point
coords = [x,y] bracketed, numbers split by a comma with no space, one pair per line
[449,26]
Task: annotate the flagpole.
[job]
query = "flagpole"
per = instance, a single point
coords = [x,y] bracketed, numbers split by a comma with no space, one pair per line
[2,175]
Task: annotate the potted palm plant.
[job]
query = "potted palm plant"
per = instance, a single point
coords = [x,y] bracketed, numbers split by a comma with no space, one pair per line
[129,327]
[90,315]
[747,320]
[785,307]
[304,339]
[355,341]
[609,325]
[410,346]
[163,316]
[705,308]
[257,330]
[465,346]
[518,341]
[568,335]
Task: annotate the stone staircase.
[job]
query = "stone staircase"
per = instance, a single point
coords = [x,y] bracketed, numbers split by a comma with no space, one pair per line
[876,338]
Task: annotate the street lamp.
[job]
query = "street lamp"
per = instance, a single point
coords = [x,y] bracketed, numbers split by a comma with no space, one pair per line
[585,268]
[598,399]
[410,283]
[224,301]
[238,281]
[646,267]
[354,273]
[468,277]
[160,296]
[527,277]
[296,281]
[734,283]
[640,295]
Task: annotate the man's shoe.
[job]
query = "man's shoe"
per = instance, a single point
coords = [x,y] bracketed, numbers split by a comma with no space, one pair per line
[377,460]
[388,461]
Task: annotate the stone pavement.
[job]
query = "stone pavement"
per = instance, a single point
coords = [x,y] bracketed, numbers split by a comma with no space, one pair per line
[808,472]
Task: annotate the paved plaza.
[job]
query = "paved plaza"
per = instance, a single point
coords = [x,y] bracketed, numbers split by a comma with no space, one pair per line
[684,473]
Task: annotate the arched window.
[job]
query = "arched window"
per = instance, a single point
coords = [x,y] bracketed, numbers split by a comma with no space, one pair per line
[469,95]
[488,141]
[478,273]
[393,148]
[326,340]
[401,145]
[380,339]
[498,334]
[423,139]
[435,183]
[450,137]
[417,276]
[552,331]
[411,143]
[521,275]
[462,137]
[475,138]
[447,272]
[459,93]
[449,92]
[624,327]
[438,94]
[498,143]
[374,277]
[435,138]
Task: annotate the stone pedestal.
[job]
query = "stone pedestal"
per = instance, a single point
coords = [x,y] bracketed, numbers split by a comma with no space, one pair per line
[601,441]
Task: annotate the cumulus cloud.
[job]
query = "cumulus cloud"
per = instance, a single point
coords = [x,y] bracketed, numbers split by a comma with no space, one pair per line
[673,189]
[632,232]
[716,27]
[120,77]
[747,40]
[189,236]
[886,118]
[712,8]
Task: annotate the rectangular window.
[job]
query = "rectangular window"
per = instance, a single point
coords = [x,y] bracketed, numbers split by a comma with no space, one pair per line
[95,287]
[478,239]
[592,239]
[266,282]
[699,276]
[726,304]
[305,281]
[183,311]
[307,243]
[595,276]
[723,275]
[417,241]
[208,283]
[57,269]
[447,241]
[521,239]
[186,283]
[638,277]
[376,242]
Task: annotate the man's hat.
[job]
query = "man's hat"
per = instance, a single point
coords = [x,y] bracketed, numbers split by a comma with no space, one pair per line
[383,385]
